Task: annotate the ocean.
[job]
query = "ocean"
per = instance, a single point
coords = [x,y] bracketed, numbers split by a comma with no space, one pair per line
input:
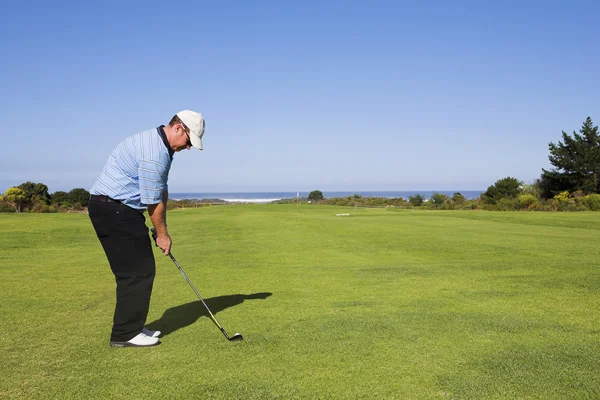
[267,197]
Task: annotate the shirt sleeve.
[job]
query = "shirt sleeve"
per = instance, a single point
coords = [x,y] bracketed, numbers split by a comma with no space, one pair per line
[153,177]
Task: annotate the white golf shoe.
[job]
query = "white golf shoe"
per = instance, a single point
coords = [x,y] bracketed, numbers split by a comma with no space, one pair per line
[141,340]
[150,333]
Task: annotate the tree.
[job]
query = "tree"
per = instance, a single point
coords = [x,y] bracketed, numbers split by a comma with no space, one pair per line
[416,200]
[60,197]
[438,199]
[458,198]
[315,195]
[576,162]
[15,197]
[507,188]
[80,196]
[35,192]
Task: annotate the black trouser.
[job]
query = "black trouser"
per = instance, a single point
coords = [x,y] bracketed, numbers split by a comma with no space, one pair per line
[124,236]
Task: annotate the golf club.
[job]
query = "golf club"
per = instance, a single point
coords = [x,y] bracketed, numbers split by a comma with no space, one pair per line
[234,338]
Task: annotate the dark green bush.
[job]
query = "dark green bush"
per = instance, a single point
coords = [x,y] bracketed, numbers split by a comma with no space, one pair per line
[60,197]
[507,188]
[416,200]
[437,200]
[316,196]
[79,195]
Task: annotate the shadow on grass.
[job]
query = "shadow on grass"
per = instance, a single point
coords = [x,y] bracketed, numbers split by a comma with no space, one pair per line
[186,314]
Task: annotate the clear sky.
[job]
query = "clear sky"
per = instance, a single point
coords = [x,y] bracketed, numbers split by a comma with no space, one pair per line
[304,95]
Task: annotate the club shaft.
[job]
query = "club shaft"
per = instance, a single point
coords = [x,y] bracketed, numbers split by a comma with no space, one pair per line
[212,317]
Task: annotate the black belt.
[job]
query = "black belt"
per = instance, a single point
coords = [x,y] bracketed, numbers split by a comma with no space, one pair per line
[100,197]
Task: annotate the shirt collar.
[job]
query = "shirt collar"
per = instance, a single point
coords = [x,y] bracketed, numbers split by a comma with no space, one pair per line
[163,136]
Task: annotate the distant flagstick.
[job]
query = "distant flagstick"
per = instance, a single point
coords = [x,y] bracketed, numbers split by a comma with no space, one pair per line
[297,199]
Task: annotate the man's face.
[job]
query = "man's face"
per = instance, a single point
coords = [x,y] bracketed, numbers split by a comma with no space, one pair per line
[183,138]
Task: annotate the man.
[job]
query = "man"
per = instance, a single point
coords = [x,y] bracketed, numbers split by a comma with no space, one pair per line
[135,179]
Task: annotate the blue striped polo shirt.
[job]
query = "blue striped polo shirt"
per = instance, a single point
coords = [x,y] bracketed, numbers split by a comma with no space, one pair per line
[137,171]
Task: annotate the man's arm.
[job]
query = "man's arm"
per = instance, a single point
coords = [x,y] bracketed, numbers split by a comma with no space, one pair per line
[158,216]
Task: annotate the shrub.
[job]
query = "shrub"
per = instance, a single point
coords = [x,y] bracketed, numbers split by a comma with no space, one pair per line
[79,195]
[508,204]
[562,201]
[338,201]
[504,204]
[5,207]
[315,195]
[592,202]
[545,206]
[504,188]
[473,204]
[449,205]
[562,197]
[39,206]
[458,198]
[528,202]
[60,197]
[438,199]
[416,200]
[66,205]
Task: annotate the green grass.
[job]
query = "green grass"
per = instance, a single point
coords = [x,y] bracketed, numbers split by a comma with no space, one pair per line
[382,304]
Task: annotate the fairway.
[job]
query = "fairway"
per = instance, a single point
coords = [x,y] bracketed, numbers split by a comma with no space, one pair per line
[381,304]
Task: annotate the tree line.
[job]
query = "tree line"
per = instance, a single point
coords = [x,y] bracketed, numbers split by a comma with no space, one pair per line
[572,184]
[34,197]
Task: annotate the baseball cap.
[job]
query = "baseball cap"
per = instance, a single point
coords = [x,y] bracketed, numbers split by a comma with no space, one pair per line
[195,123]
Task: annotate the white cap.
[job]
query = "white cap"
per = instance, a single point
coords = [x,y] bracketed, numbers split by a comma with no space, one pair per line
[195,123]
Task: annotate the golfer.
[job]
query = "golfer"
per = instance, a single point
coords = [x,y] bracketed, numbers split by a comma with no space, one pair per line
[135,179]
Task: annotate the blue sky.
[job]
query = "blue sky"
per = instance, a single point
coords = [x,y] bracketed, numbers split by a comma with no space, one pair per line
[328,95]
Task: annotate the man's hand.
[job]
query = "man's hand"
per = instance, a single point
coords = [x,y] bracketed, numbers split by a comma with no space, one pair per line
[163,241]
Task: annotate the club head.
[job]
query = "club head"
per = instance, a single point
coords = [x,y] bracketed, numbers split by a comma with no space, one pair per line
[236,338]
